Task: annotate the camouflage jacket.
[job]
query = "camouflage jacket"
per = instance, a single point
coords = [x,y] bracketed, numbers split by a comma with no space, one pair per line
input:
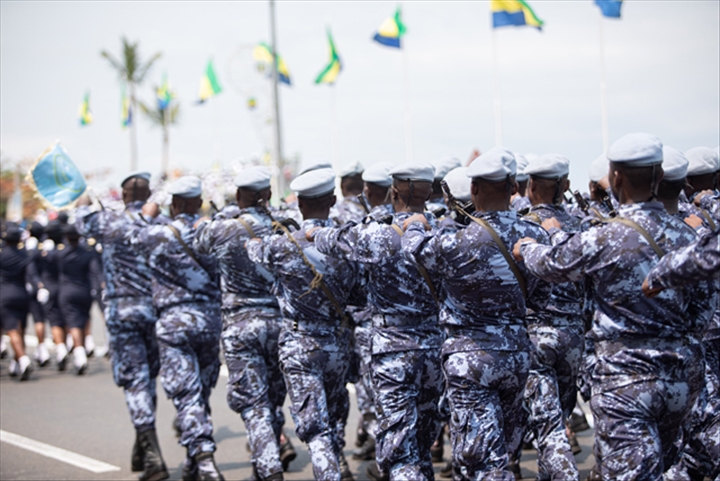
[348,210]
[126,272]
[243,282]
[617,258]
[177,278]
[481,293]
[297,299]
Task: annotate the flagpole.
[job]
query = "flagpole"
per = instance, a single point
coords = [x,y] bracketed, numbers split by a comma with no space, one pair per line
[603,89]
[496,91]
[334,127]
[408,113]
[276,158]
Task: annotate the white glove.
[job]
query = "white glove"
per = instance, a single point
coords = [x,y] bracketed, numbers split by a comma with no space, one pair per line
[43,296]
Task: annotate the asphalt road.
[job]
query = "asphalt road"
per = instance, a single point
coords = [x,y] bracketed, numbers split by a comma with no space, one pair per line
[86,415]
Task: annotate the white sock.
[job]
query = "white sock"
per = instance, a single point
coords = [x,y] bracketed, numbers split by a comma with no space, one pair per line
[23,362]
[69,342]
[89,343]
[79,356]
[13,367]
[42,353]
[61,351]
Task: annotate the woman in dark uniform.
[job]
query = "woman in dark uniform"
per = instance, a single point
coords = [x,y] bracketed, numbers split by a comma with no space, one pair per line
[15,272]
[78,265]
[48,266]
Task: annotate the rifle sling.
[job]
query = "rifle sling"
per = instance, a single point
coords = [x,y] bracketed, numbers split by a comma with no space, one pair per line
[634,225]
[185,247]
[318,280]
[511,262]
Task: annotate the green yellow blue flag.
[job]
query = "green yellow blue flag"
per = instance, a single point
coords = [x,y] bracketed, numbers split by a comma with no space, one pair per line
[507,13]
[390,31]
[262,53]
[56,178]
[609,8]
[164,94]
[125,109]
[330,74]
[209,86]
[86,117]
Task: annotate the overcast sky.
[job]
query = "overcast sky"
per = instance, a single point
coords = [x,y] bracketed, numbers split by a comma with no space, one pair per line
[662,61]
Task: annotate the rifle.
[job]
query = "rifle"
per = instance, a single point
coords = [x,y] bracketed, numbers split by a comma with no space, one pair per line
[607,203]
[462,210]
[581,202]
[364,203]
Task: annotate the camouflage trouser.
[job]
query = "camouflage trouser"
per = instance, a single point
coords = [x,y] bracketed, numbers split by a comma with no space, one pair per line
[550,395]
[407,386]
[701,453]
[485,392]
[363,388]
[189,367]
[314,364]
[135,358]
[640,398]
[256,387]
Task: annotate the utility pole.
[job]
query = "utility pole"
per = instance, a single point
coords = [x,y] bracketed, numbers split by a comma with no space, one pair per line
[277,157]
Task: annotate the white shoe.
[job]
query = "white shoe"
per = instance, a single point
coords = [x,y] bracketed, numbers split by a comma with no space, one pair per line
[42,356]
[62,354]
[14,368]
[89,345]
[25,367]
[80,360]
[3,346]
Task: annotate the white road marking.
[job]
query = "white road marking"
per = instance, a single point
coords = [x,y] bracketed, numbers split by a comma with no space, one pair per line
[59,454]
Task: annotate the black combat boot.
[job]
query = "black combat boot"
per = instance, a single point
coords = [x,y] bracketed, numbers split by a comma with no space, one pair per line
[366,452]
[207,469]
[345,473]
[155,469]
[137,461]
[287,452]
[189,471]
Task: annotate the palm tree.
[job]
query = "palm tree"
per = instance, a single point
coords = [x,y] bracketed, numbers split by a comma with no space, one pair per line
[133,71]
[163,118]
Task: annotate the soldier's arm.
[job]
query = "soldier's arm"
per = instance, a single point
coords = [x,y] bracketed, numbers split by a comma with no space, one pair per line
[422,246]
[563,262]
[87,222]
[691,264]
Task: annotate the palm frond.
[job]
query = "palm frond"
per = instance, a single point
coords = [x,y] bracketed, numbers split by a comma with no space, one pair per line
[143,70]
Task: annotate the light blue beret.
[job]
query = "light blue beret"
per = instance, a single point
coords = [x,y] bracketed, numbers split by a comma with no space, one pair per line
[378,173]
[445,165]
[598,168]
[314,165]
[188,186]
[495,165]
[419,172]
[459,184]
[315,183]
[675,164]
[140,174]
[353,168]
[549,166]
[254,178]
[521,162]
[636,150]
[703,160]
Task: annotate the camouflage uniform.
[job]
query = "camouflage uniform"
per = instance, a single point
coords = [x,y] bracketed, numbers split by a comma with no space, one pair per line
[187,299]
[313,345]
[129,313]
[648,370]
[251,326]
[406,372]
[348,210]
[486,356]
[700,260]
[557,336]
[520,203]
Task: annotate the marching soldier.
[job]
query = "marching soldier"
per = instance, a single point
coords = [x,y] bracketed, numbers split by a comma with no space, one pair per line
[405,367]
[315,335]
[130,317]
[251,323]
[648,369]
[186,297]
[486,355]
